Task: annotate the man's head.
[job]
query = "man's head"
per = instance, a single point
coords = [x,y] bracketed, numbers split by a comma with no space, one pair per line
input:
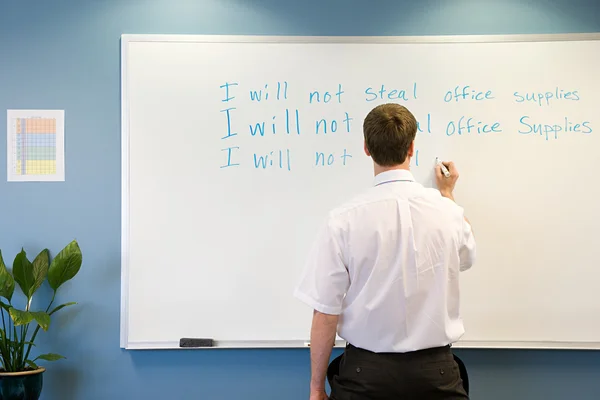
[389,131]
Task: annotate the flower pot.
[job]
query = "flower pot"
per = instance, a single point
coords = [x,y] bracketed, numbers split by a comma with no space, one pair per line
[26,385]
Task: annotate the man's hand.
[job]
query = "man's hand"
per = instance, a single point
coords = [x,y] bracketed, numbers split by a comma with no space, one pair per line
[446,185]
[320,395]
[322,339]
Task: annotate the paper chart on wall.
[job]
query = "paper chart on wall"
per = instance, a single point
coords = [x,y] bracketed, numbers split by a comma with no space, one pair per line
[35,145]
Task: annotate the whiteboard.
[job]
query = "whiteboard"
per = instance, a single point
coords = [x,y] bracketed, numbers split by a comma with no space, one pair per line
[235,148]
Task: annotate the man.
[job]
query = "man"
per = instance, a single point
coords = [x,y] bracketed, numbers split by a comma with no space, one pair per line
[384,275]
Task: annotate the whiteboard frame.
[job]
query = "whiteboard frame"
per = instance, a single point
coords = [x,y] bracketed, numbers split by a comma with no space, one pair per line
[126,39]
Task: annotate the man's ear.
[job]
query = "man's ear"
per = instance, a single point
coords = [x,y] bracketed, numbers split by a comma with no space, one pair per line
[411,149]
[366,149]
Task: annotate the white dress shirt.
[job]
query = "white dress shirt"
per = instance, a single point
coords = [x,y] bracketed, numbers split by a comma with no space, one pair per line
[388,263]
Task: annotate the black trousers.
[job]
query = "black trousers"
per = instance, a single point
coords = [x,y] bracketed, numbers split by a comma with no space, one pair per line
[431,374]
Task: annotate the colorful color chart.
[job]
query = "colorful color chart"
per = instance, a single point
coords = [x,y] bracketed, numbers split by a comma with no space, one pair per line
[35,145]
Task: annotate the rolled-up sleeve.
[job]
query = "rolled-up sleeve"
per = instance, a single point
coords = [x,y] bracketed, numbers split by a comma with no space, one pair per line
[324,280]
[467,251]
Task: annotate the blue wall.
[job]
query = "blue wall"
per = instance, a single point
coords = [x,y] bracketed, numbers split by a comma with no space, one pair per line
[65,54]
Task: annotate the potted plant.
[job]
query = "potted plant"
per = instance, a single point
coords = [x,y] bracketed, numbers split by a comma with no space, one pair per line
[20,375]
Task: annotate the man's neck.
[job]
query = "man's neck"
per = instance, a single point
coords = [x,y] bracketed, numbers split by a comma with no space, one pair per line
[378,169]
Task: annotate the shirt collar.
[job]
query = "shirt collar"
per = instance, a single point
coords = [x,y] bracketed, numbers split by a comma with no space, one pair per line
[393,175]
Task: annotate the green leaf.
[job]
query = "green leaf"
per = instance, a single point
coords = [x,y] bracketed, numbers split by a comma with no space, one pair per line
[49,357]
[62,306]
[42,319]
[20,317]
[7,282]
[40,270]
[32,364]
[23,273]
[65,265]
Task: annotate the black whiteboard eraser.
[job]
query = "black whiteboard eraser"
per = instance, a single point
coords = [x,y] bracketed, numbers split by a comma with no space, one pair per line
[191,342]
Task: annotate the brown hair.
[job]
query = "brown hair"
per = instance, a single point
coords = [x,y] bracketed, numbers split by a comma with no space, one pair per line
[389,130]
